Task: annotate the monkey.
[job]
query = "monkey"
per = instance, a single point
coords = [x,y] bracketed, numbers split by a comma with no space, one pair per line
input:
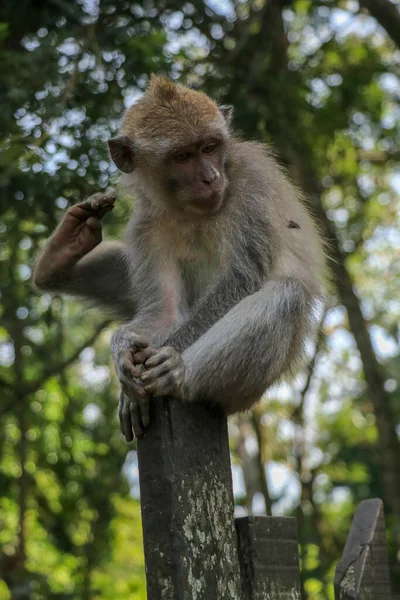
[222,270]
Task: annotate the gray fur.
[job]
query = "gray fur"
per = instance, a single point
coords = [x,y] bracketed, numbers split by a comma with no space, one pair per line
[101,276]
[234,292]
[248,285]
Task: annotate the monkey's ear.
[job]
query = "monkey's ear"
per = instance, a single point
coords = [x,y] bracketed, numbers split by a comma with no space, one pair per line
[121,152]
[227,112]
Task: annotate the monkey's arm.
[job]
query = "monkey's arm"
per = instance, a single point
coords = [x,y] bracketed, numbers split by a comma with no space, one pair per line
[75,260]
[242,354]
[102,276]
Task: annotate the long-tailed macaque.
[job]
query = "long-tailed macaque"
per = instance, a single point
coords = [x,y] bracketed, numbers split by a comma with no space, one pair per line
[221,269]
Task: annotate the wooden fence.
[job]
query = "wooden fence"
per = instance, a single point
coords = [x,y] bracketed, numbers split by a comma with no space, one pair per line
[195,549]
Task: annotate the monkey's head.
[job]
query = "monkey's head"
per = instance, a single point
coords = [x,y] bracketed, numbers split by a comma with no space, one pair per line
[173,143]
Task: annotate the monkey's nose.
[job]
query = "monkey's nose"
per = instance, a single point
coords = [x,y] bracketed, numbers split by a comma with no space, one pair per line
[210,176]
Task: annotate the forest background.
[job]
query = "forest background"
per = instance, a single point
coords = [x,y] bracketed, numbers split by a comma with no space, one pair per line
[319,80]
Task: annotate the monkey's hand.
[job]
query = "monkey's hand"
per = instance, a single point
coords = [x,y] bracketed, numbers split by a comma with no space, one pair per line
[132,419]
[134,400]
[78,233]
[165,372]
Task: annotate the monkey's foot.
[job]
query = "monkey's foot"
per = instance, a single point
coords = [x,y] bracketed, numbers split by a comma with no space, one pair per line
[133,415]
[165,373]
[134,401]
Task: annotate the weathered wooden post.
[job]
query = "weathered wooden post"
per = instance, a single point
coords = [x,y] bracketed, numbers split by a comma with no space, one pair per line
[269,560]
[363,571]
[190,544]
[191,549]
[187,505]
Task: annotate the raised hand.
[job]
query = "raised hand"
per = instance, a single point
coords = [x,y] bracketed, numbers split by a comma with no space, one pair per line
[78,233]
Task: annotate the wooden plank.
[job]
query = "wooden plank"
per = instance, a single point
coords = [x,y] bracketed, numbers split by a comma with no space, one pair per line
[187,505]
[269,559]
[363,572]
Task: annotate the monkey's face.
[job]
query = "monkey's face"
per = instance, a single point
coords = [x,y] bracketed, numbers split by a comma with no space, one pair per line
[188,177]
[195,177]
[173,145]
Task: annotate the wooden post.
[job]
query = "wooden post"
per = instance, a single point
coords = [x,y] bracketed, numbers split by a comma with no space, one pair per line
[187,505]
[269,560]
[363,572]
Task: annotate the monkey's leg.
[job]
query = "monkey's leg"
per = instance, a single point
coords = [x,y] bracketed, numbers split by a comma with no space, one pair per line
[244,353]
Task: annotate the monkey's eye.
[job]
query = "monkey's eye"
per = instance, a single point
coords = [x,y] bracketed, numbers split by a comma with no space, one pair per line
[210,148]
[182,157]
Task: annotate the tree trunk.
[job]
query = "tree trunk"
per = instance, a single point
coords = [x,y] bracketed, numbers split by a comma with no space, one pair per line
[389,445]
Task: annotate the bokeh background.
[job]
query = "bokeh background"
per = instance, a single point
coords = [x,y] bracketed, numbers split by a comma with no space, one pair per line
[319,80]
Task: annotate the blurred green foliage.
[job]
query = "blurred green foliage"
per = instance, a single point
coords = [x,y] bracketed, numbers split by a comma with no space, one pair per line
[319,80]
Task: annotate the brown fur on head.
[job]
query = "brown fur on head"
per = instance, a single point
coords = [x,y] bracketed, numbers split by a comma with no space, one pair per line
[174,141]
[168,109]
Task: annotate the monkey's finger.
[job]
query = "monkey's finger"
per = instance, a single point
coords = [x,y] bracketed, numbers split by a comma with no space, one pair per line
[136,420]
[144,404]
[137,342]
[132,388]
[120,410]
[93,223]
[155,372]
[161,356]
[126,421]
[141,356]
[105,205]
[110,195]
[98,205]
[80,211]
[100,199]
[163,386]
[124,416]
[85,205]
[127,368]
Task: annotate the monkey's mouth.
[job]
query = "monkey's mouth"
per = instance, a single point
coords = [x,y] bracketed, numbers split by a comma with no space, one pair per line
[210,198]
[209,203]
